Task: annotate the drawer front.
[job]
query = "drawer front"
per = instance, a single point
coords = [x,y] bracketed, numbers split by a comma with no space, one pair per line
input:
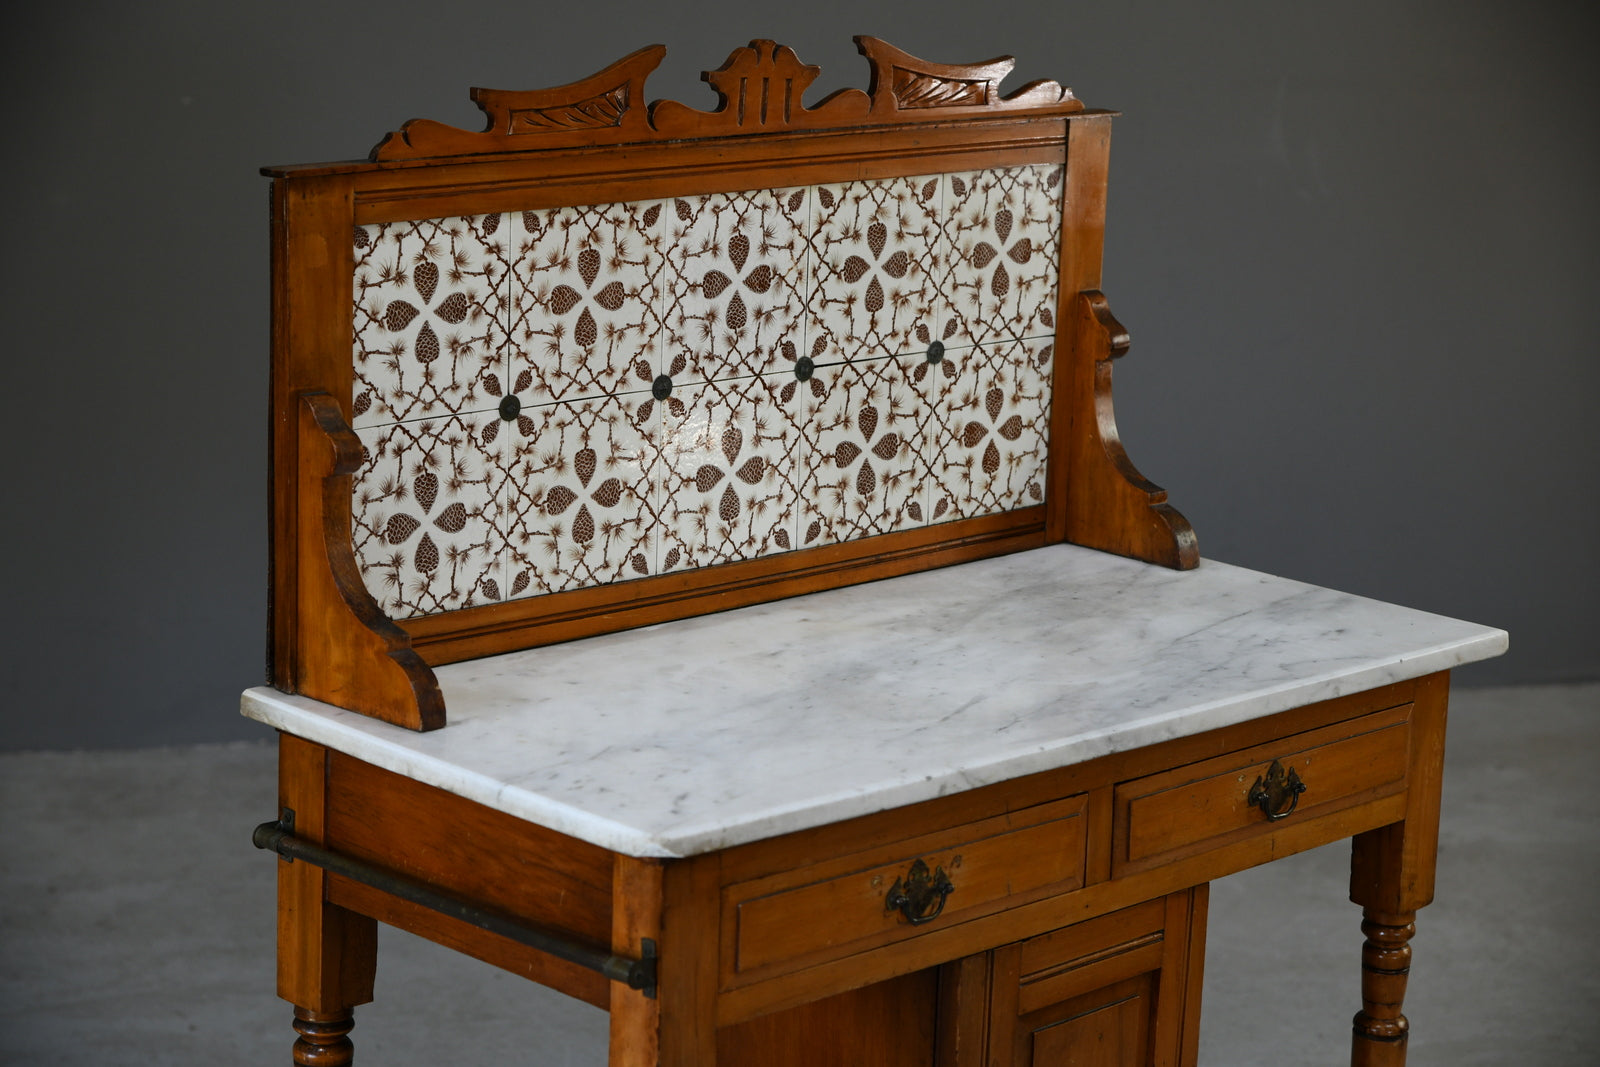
[851,904]
[1190,809]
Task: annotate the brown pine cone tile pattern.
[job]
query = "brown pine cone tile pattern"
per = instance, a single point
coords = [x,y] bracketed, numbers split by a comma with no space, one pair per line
[579,494]
[585,300]
[868,471]
[731,463]
[576,312]
[427,527]
[734,302]
[430,316]
[1004,234]
[987,410]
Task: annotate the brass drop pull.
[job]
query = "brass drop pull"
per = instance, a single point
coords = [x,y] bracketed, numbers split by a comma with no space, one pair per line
[920,895]
[1277,794]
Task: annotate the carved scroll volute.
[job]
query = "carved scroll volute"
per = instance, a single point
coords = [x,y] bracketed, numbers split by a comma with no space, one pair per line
[346,651]
[902,83]
[604,108]
[760,88]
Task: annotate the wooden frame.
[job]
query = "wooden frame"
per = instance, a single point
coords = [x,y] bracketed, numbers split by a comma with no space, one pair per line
[594,141]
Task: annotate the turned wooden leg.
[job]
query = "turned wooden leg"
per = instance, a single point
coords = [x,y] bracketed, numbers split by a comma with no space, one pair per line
[324,1039]
[1380,1028]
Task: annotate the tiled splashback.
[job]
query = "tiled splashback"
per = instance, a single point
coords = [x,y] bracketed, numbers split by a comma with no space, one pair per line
[576,396]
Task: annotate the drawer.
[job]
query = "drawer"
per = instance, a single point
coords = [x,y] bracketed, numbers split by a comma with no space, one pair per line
[1190,809]
[848,904]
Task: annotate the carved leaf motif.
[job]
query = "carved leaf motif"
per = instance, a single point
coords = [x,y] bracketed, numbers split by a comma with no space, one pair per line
[846,454]
[782,538]
[983,255]
[993,401]
[399,527]
[760,279]
[651,214]
[874,297]
[738,250]
[558,500]
[425,276]
[611,297]
[588,266]
[1022,251]
[877,237]
[583,463]
[425,488]
[972,434]
[427,557]
[427,344]
[753,469]
[597,112]
[398,315]
[991,459]
[1002,224]
[453,308]
[1002,281]
[707,477]
[728,509]
[887,447]
[732,441]
[452,519]
[866,481]
[1011,429]
[563,298]
[586,333]
[897,265]
[853,269]
[913,89]
[609,493]
[583,525]
[867,421]
[714,283]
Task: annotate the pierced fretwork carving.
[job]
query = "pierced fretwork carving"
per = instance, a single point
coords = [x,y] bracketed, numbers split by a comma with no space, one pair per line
[760,89]
[901,82]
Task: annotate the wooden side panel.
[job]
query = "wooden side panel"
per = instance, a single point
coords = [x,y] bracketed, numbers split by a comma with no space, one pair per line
[889,1024]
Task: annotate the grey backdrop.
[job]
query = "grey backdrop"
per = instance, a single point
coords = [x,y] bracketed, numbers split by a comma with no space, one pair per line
[1356,245]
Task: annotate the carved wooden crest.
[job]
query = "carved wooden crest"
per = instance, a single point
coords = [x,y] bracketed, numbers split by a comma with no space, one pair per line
[759,89]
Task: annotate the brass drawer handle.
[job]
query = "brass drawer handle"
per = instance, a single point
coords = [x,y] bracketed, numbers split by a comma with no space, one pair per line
[920,895]
[1278,794]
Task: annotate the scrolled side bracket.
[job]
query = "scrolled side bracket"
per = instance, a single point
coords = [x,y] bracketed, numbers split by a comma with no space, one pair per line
[1110,505]
[346,651]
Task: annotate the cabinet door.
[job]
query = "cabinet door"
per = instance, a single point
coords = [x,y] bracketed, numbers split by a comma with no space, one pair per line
[1120,990]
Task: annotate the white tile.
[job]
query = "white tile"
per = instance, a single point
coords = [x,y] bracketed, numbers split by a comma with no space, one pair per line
[1003,229]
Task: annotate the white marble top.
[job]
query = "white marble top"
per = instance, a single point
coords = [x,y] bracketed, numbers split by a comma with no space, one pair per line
[690,736]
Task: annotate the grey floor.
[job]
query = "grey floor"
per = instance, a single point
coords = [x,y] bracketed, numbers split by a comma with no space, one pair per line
[136,922]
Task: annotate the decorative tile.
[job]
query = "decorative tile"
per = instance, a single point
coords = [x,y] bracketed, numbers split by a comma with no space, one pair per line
[585,299]
[867,474]
[987,428]
[875,261]
[1004,230]
[426,523]
[430,316]
[730,485]
[735,301]
[578,494]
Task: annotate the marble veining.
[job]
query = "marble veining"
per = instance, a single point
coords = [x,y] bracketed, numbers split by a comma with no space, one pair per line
[695,735]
